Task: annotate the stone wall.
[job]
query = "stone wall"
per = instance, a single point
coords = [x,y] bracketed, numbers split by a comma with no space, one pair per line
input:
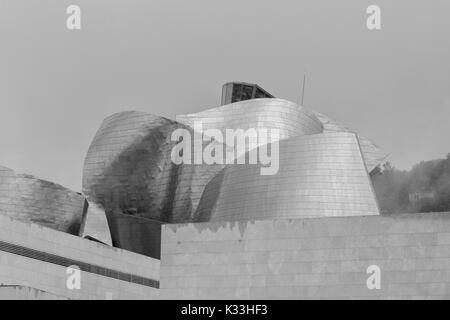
[26,293]
[38,257]
[321,258]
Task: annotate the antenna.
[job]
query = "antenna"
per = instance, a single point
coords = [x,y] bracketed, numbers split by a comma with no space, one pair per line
[303,90]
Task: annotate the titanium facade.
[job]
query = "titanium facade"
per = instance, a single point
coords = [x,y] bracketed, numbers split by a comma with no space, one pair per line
[130,176]
[26,198]
[289,118]
[240,91]
[319,175]
[128,171]
[373,155]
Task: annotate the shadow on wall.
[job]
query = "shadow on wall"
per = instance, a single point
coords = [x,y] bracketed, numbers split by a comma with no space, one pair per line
[136,234]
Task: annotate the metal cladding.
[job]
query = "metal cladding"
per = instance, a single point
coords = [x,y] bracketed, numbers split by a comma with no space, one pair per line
[291,119]
[27,199]
[129,172]
[373,155]
[125,162]
[128,168]
[319,175]
[241,91]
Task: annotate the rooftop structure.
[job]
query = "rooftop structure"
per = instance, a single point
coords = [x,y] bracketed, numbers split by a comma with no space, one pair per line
[241,91]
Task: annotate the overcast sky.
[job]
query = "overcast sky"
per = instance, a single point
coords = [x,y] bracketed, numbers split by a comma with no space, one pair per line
[172,56]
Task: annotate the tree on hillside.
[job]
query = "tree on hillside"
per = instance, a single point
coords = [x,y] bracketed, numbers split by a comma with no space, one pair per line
[425,188]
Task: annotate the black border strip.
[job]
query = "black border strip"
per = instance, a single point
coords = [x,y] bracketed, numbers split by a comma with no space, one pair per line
[87,267]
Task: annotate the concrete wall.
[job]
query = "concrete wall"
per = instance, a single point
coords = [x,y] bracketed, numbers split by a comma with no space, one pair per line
[26,293]
[37,257]
[272,259]
[308,258]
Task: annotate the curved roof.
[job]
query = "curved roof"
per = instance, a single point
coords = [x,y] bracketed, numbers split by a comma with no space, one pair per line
[28,199]
[128,168]
[290,118]
[319,175]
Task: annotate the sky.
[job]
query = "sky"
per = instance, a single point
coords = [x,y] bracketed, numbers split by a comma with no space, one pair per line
[170,57]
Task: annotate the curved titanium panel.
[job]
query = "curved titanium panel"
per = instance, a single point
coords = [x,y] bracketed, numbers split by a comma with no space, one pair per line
[128,167]
[319,175]
[129,171]
[27,199]
[290,118]
[373,155]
